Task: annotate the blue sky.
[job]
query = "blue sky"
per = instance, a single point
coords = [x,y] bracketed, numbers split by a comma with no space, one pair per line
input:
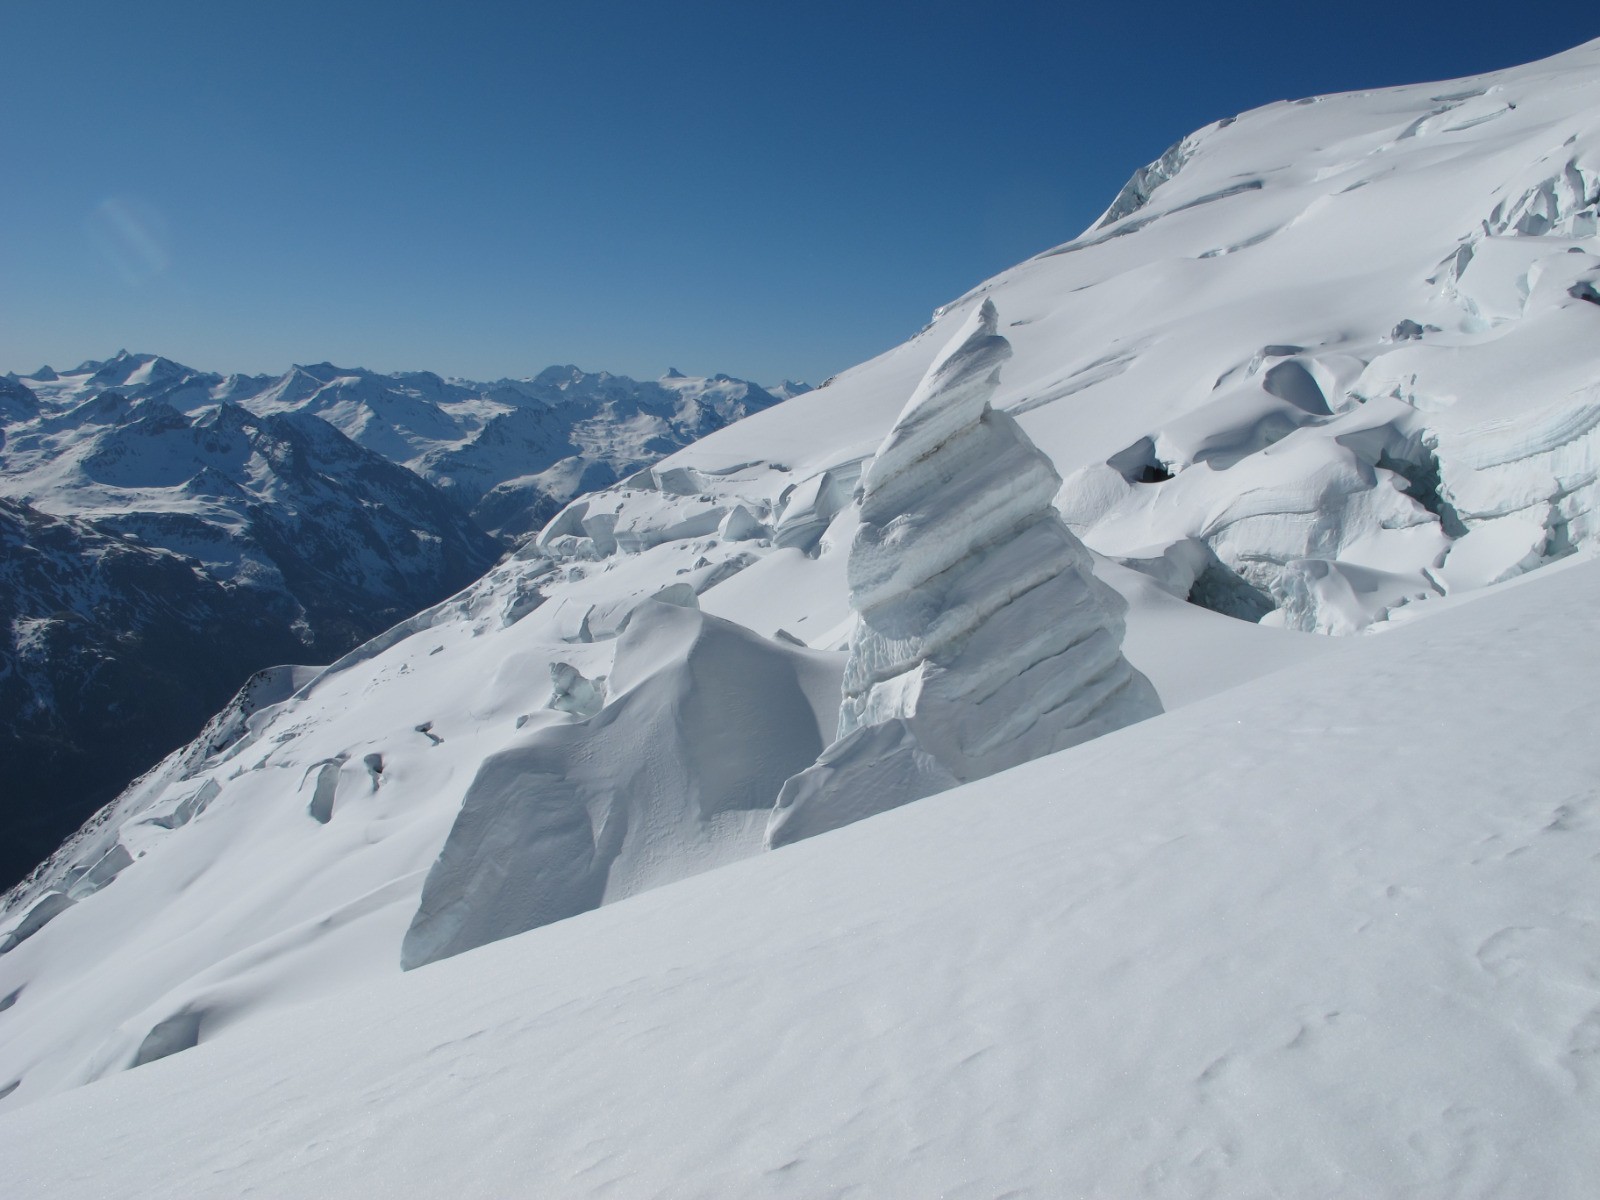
[486,189]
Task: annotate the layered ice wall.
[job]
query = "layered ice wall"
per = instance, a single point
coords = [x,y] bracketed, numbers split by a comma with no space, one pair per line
[982,639]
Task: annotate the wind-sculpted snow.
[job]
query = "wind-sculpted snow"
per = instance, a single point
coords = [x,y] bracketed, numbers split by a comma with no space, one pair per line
[1510,420]
[981,639]
[964,581]
[1484,347]
[674,775]
[1135,194]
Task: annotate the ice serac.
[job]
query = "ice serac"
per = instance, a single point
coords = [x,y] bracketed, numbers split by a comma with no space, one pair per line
[673,776]
[981,637]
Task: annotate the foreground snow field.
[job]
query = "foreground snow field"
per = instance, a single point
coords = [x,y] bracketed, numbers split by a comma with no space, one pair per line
[1329,933]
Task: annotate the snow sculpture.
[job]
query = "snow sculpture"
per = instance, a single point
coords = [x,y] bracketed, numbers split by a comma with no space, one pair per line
[979,626]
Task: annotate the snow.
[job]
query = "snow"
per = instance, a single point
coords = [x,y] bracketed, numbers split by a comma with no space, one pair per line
[981,637]
[966,583]
[289,541]
[675,775]
[1189,958]
[1319,928]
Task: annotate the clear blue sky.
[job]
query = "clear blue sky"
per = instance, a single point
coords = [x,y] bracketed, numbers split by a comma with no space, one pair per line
[485,189]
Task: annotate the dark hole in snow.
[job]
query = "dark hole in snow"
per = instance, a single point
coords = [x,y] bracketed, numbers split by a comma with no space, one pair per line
[169,1037]
[1422,485]
[9,1088]
[321,806]
[1222,591]
[426,730]
[1139,464]
[1584,291]
[9,999]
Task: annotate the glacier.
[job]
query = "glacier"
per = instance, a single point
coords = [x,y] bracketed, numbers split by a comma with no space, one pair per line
[1266,981]
[1319,394]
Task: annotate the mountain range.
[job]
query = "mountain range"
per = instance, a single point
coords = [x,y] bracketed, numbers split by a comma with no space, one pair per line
[171,532]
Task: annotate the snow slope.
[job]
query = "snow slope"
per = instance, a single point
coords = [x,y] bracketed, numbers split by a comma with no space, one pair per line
[1328,934]
[1331,365]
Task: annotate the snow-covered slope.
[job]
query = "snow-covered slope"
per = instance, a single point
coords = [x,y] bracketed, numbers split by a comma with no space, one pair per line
[1332,362]
[98,673]
[1329,934]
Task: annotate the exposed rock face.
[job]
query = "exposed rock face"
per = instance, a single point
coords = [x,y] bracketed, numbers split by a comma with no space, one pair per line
[980,627]
[99,669]
[217,545]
